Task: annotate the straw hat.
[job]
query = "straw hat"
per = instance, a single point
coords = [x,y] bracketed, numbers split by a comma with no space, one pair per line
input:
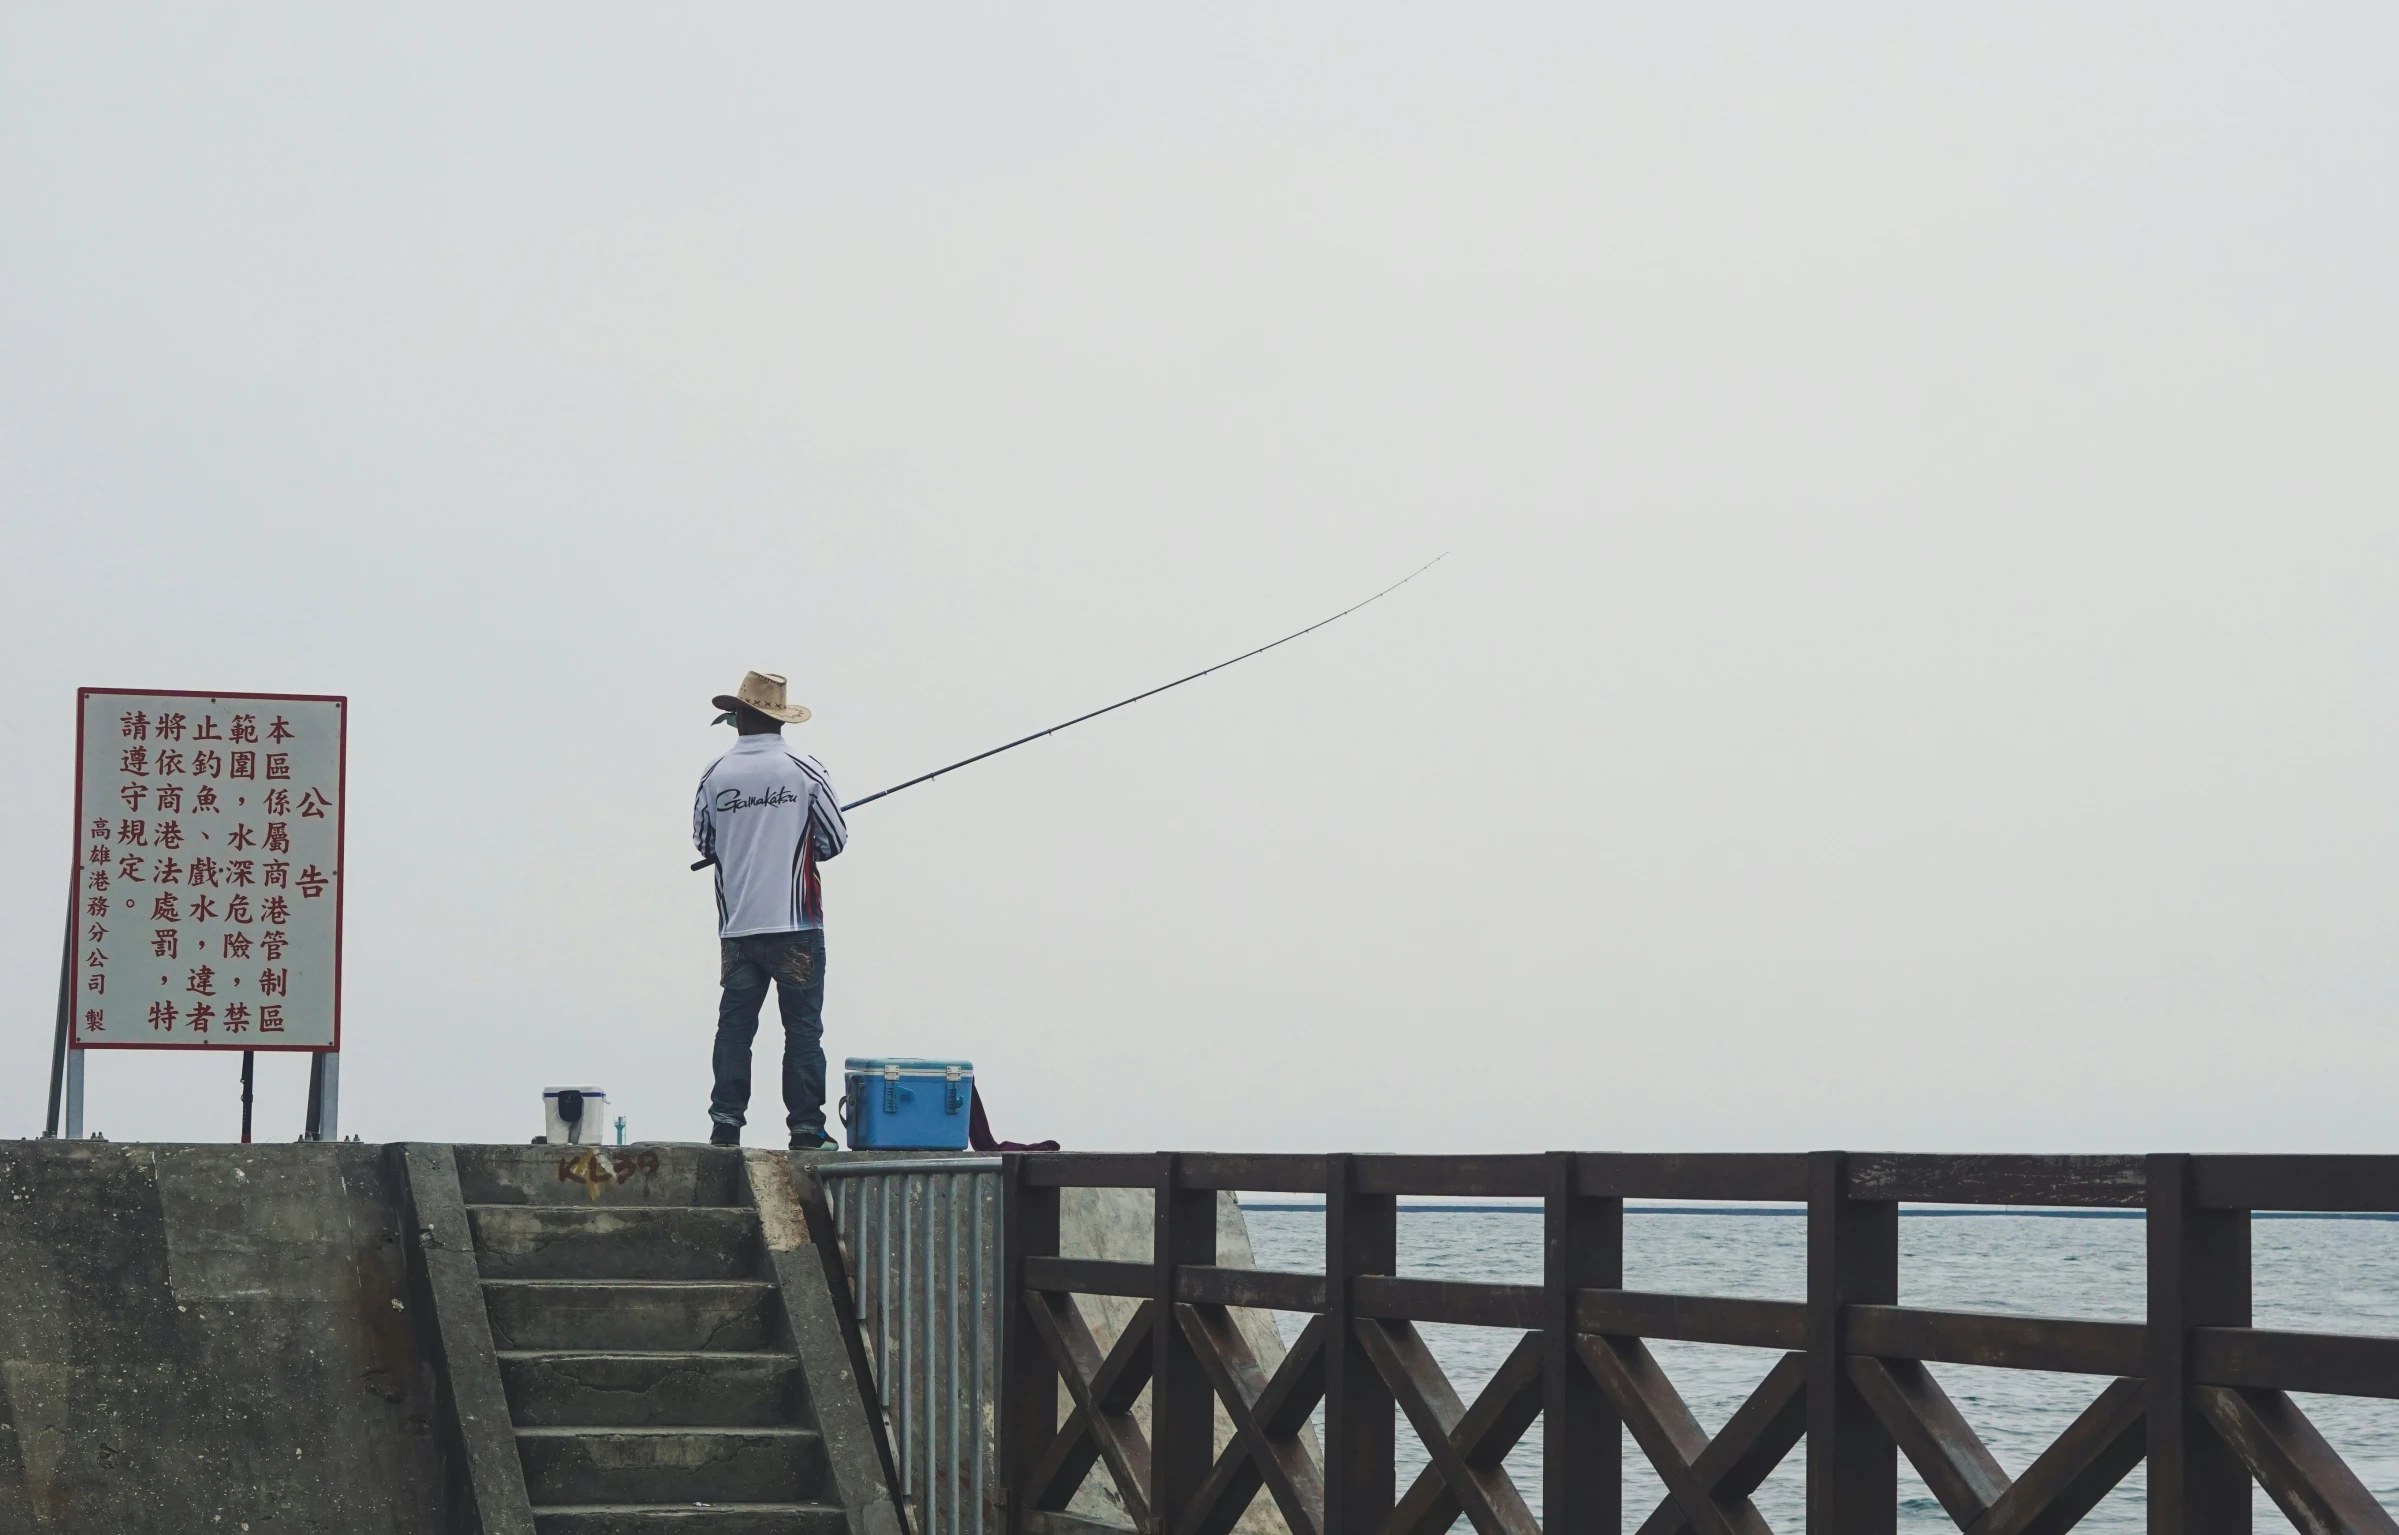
[763,691]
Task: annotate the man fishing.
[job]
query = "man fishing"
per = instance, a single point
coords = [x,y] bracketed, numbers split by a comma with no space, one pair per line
[766,816]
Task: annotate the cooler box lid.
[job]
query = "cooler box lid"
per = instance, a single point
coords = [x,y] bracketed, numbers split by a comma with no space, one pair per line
[906,1066]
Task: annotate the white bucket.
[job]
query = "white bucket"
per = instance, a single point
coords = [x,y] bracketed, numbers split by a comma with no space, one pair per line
[589,1108]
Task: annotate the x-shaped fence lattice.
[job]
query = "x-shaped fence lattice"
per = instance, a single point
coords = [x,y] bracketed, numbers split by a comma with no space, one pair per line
[1708,1480]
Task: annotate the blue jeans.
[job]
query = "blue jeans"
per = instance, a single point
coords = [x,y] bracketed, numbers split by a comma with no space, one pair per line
[795,962]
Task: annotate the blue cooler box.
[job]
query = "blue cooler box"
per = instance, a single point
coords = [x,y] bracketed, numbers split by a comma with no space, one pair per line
[890,1102]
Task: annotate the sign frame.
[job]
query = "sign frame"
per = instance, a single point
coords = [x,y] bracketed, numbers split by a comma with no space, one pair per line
[341,853]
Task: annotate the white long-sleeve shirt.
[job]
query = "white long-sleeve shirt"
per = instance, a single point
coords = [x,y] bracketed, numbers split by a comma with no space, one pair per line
[768,816]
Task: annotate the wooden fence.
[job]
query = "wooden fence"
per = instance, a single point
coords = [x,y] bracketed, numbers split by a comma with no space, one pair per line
[2195,1390]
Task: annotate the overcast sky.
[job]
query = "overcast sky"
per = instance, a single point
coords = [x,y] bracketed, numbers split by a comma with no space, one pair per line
[1913,669]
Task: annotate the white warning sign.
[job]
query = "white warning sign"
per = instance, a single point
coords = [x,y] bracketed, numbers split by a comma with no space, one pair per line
[209,850]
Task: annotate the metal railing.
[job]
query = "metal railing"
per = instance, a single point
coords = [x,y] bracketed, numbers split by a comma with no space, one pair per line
[920,1240]
[2195,1390]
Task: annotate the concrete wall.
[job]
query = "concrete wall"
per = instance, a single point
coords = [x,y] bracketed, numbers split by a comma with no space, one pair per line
[209,1338]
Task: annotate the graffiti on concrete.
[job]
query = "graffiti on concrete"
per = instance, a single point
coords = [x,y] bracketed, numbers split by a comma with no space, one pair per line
[597,1168]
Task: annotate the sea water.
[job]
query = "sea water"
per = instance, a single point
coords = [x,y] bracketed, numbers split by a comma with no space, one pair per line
[2320,1275]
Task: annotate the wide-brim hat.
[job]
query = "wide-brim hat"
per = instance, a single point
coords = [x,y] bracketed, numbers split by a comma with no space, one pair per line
[763,691]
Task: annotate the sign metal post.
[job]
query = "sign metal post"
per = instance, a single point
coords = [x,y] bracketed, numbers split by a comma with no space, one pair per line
[328,1069]
[66,1013]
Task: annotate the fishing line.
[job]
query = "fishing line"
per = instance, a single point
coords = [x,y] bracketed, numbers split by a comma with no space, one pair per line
[1136,698]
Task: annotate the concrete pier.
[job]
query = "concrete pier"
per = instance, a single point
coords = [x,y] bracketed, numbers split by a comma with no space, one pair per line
[336,1339]
[509,1340]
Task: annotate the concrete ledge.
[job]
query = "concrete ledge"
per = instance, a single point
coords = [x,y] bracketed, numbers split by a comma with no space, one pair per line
[613,1242]
[679,1316]
[486,1484]
[656,1174]
[675,1519]
[710,1390]
[668,1465]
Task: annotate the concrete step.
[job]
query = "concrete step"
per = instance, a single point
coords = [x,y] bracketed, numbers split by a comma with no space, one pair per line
[615,1241]
[671,1465]
[690,1519]
[602,1175]
[716,1390]
[631,1316]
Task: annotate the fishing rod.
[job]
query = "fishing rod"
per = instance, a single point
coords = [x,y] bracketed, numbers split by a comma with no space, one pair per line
[1136,698]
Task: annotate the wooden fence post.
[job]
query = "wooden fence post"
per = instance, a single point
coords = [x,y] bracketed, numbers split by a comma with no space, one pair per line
[2198,1277]
[1182,1404]
[1853,1259]
[1361,1236]
[1582,1439]
[1028,1380]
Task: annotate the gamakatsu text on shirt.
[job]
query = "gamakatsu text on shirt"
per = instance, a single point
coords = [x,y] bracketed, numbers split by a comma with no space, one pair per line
[768,816]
